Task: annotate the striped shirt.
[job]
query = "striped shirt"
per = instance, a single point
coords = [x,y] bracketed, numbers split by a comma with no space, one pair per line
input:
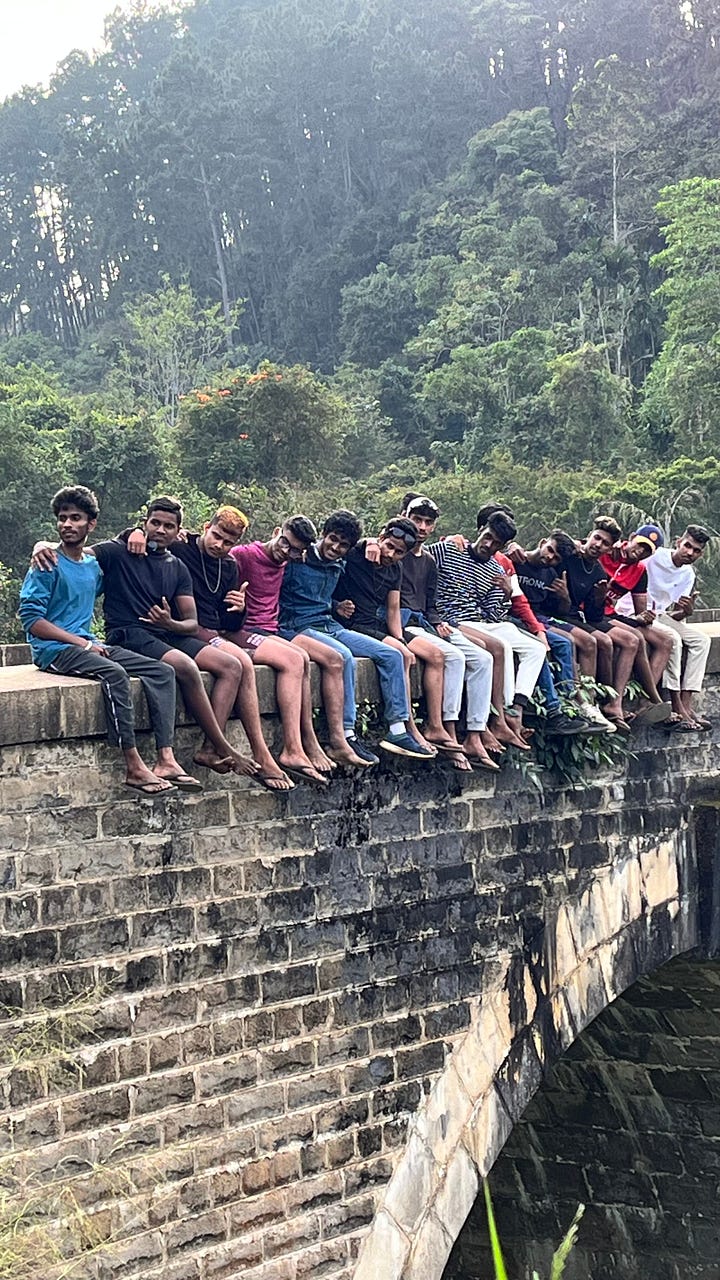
[466,587]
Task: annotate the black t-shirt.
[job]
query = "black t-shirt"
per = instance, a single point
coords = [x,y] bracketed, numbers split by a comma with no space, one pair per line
[367,585]
[535,579]
[582,577]
[418,585]
[134,583]
[211,581]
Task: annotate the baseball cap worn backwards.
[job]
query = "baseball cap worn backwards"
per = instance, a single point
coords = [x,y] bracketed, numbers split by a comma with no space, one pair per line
[651,535]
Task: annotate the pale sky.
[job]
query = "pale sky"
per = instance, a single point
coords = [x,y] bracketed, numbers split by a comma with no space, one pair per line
[37,34]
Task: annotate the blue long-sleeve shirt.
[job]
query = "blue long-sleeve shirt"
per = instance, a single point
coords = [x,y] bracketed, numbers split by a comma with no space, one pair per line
[65,596]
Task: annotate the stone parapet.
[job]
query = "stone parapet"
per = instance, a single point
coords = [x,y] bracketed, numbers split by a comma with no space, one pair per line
[36,706]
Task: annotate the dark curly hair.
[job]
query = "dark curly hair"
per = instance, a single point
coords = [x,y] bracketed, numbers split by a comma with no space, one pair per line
[345,524]
[76,495]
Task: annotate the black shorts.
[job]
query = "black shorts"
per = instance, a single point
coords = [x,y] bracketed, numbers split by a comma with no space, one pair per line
[155,644]
[589,627]
[376,633]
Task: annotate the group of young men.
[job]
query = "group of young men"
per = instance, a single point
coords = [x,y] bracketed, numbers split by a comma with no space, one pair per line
[497,627]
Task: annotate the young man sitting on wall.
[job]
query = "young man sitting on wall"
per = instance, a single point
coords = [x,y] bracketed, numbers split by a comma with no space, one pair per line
[213,574]
[150,609]
[450,661]
[306,608]
[671,596]
[56,610]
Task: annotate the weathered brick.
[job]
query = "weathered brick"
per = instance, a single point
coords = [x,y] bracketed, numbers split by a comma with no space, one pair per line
[271,1171]
[227,1076]
[169,1089]
[193,1233]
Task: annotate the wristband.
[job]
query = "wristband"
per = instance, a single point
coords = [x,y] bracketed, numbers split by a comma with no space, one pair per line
[87,647]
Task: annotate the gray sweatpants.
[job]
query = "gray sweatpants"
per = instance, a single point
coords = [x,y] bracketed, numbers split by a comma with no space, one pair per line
[113,672]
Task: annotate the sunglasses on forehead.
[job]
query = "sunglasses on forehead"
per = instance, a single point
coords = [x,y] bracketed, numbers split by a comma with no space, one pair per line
[403,535]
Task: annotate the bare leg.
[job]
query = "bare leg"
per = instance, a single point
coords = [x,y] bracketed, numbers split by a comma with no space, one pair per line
[228,674]
[248,710]
[288,663]
[586,650]
[625,645]
[641,666]
[322,763]
[331,666]
[188,677]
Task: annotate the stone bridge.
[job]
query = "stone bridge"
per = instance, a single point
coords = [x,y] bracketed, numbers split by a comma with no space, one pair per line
[274,1039]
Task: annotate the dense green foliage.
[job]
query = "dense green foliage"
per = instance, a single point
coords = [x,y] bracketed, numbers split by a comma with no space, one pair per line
[304,255]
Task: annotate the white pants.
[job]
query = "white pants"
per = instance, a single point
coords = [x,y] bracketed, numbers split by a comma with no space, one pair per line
[530,655]
[465,664]
[697,647]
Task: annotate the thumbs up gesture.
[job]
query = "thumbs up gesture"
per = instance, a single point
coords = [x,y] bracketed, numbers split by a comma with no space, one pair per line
[235,600]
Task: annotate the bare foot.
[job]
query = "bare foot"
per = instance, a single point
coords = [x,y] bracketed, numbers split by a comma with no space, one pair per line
[460,762]
[504,733]
[321,762]
[440,738]
[490,742]
[430,746]
[244,766]
[345,755]
[211,760]
[304,765]
[143,779]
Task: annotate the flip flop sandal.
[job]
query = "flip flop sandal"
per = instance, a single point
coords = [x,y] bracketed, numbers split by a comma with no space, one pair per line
[305,773]
[264,780]
[447,748]
[152,788]
[477,762]
[184,782]
[681,726]
[460,762]
[703,724]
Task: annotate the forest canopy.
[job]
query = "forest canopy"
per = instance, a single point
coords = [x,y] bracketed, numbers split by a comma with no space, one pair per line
[304,256]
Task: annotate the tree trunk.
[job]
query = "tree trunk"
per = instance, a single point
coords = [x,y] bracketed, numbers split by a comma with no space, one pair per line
[219,259]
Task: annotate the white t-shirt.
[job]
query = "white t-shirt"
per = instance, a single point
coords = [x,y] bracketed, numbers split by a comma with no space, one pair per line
[667,582]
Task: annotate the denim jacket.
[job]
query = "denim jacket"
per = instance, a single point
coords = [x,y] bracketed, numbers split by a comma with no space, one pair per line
[306,593]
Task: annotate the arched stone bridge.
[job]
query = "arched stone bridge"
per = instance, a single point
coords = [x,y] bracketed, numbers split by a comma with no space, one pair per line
[278,1039]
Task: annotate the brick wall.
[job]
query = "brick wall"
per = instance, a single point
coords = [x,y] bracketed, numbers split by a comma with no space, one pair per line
[220,1013]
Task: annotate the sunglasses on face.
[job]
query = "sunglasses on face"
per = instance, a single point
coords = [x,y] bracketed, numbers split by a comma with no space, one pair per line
[403,535]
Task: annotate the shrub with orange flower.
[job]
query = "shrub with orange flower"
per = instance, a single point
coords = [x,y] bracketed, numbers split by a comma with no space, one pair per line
[263,424]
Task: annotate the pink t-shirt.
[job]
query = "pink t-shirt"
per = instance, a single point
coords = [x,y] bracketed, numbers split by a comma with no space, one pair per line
[264,579]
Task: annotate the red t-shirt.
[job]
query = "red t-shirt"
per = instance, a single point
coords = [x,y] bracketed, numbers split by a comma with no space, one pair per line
[622,577]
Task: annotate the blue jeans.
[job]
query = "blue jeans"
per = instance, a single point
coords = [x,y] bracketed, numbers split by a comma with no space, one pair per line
[561,649]
[389,663]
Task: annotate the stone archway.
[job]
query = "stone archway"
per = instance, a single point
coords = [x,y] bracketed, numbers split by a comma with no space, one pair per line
[628,1123]
[634,917]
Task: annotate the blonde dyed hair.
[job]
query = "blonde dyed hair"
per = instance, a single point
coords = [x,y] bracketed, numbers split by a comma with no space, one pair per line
[232,519]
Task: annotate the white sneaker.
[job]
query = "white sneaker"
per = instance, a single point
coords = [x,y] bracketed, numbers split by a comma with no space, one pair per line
[594,714]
